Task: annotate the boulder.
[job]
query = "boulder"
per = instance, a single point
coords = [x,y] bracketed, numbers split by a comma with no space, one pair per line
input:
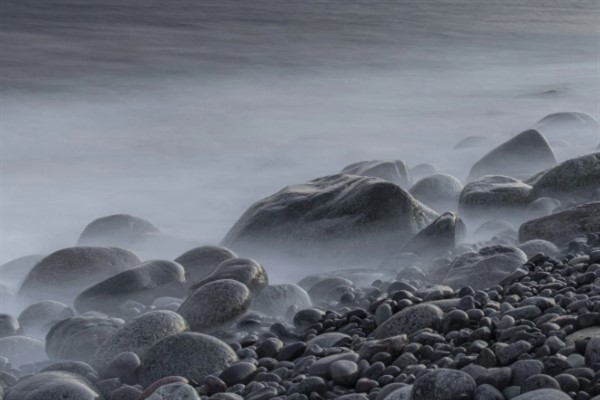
[138,335]
[144,283]
[190,355]
[37,319]
[9,325]
[523,155]
[534,246]
[561,227]
[215,304]
[543,394]
[277,300]
[443,384]
[485,268]
[120,230]
[542,206]
[53,385]
[440,237]
[349,220]
[244,270]
[22,350]
[472,142]
[493,195]
[394,171]
[14,271]
[200,262]
[439,191]
[63,274]
[410,320]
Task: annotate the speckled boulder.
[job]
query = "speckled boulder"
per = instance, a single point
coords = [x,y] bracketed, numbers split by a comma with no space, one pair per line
[22,350]
[78,338]
[410,320]
[200,262]
[144,283]
[444,384]
[276,300]
[37,319]
[215,303]
[54,385]
[138,335]
[64,273]
[188,354]
[249,272]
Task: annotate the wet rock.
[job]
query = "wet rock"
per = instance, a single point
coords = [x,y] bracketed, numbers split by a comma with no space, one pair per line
[240,372]
[244,270]
[344,372]
[308,317]
[543,394]
[329,339]
[443,384]
[403,393]
[53,385]
[191,355]
[215,303]
[200,262]
[493,195]
[438,191]
[116,230]
[539,381]
[37,319]
[394,171]
[277,300]
[410,320]
[441,236]
[22,350]
[61,275]
[144,283]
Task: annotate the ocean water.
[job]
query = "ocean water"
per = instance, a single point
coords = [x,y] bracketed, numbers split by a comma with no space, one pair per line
[185,112]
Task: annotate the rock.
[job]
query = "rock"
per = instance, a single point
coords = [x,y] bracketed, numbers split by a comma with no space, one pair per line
[175,391]
[37,319]
[489,229]
[61,275]
[590,332]
[240,372]
[472,142]
[344,372]
[493,195]
[54,385]
[487,392]
[439,191]
[14,271]
[561,227]
[323,289]
[443,384]
[438,238]
[403,393]
[410,320]
[592,353]
[523,155]
[74,367]
[508,353]
[534,246]
[307,317]
[485,268]
[328,339]
[6,298]
[322,367]
[138,335]
[249,272]
[150,389]
[191,355]
[276,300]
[573,179]
[580,127]
[9,325]
[543,394]
[422,170]
[394,171]
[200,262]
[78,338]
[542,206]
[22,350]
[144,283]
[344,218]
[121,230]
[539,381]
[123,366]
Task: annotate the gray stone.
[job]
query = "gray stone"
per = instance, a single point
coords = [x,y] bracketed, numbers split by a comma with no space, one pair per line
[276,300]
[53,385]
[472,142]
[175,391]
[328,339]
[37,319]
[22,350]
[200,262]
[344,372]
[592,353]
[403,393]
[438,238]
[487,392]
[249,272]
[410,320]
[144,283]
[542,206]
[322,367]
[191,355]
[116,230]
[215,304]
[443,384]
[9,325]
[63,274]
[14,271]
[493,195]
[534,246]
[138,335]
[439,191]
[394,171]
[543,394]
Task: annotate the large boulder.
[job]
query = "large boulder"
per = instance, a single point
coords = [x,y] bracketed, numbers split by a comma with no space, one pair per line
[247,271]
[78,338]
[37,319]
[410,320]
[352,220]
[63,274]
[561,227]
[484,268]
[439,237]
[543,394]
[523,155]
[53,385]
[191,355]
[148,281]
[277,300]
[574,179]
[14,271]
[493,195]
[394,171]
[199,262]
[121,230]
[439,191]
[138,335]
[215,304]
[22,350]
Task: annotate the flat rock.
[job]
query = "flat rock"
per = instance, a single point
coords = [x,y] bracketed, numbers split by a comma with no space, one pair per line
[543,394]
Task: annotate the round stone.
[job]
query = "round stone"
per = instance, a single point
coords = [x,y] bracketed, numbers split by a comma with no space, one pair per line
[543,394]
[344,372]
[244,270]
[443,384]
[9,325]
[200,262]
[53,385]
[175,391]
[22,350]
[410,320]
[37,319]
[277,300]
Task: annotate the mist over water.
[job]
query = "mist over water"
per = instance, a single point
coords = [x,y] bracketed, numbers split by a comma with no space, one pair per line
[186,112]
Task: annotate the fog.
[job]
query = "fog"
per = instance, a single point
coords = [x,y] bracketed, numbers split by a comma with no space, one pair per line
[186,112]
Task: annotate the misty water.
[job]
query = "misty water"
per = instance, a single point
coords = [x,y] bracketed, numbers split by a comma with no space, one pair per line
[186,112]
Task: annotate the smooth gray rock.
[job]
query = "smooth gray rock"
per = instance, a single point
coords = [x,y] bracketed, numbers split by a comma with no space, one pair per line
[9,325]
[484,268]
[63,274]
[144,283]
[543,394]
[116,230]
[438,191]
[542,206]
[534,246]
[53,385]
[410,320]
[345,218]
[523,155]
[138,335]
[175,391]
[344,372]
[328,339]
[200,262]
[422,170]
[592,353]
[394,171]
[561,227]
[247,271]
[22,350]
[472,142]
[438,238]
[276,300]
[78,338]
[14,271]
[403,393]
[191,355]
[493,195]
[489,229]
[443,384]
[37,319]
